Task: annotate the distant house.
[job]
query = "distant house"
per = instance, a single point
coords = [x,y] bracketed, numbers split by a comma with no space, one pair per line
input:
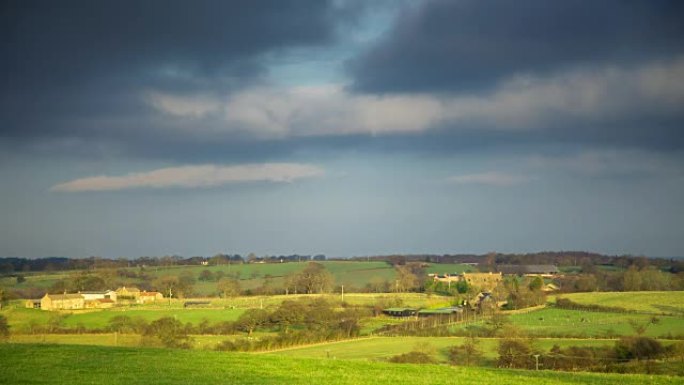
[529,270]
[127,293]
[62,302]
[149,296]
[484,281]
[33,304]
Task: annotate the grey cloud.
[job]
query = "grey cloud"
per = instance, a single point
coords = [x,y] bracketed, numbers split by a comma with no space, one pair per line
[467,45]
[75,68]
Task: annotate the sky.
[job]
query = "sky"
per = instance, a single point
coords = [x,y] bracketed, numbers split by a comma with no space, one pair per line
[341,127]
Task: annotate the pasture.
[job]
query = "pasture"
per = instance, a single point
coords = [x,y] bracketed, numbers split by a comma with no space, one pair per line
[588,324]
[352,274]
[382,348]
[657,302]
[76,365]
[21,319]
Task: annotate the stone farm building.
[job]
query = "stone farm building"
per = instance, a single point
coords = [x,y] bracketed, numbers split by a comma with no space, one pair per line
[62,302]
[128,293]
[483,281]
[149,296]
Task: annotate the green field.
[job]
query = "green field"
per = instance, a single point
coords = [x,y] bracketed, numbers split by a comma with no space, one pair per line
[75,365]
[118,339]
[351,274]
[659,302]
[21,318]
[561,322]
[382,348]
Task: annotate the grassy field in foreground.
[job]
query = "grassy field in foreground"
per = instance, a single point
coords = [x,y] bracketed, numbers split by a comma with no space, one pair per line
[75,365]
[660,302]
[550,321]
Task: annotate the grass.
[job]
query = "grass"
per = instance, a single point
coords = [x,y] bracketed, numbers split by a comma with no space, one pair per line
[20,318]
[550,322]
[75,365]
[382,348]
[118,339]
[351,274]
[659,302]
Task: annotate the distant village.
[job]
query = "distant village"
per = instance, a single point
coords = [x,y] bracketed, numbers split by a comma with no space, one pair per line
[94,299]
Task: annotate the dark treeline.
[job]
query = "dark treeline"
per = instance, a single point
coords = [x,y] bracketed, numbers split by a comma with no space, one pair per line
[558,258]
[18,265]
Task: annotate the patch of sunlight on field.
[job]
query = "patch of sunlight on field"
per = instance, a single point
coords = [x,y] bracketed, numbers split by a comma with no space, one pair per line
[103,365]
[661,302]
[382,348]
[579,323]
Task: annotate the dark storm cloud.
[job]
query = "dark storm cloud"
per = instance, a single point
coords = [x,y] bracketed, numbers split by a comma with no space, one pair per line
[77,67]
[468,45]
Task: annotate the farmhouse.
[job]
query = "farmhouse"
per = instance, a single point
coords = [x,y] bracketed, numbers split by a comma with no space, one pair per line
[99,303]
[127,293]
[149,296]
[484,281]
[33,304]
[62,302]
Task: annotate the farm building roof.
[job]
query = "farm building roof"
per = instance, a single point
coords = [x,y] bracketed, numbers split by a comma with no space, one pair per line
[149,293]
[399,309]
[129,289]
[64,296]
[442,310]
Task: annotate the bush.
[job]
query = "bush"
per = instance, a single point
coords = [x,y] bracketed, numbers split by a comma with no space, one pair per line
[171,332]
[4,328]
[638,348]
[413,358]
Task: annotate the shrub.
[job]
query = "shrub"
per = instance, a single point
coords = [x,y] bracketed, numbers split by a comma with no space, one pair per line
[413,358]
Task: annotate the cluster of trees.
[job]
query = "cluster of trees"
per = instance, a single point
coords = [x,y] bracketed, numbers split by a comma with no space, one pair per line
[520,352]
[634,278]
[558,258]
[297,322]
[314,278]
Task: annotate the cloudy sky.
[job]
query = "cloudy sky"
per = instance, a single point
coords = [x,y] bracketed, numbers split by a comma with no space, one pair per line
[343,127]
